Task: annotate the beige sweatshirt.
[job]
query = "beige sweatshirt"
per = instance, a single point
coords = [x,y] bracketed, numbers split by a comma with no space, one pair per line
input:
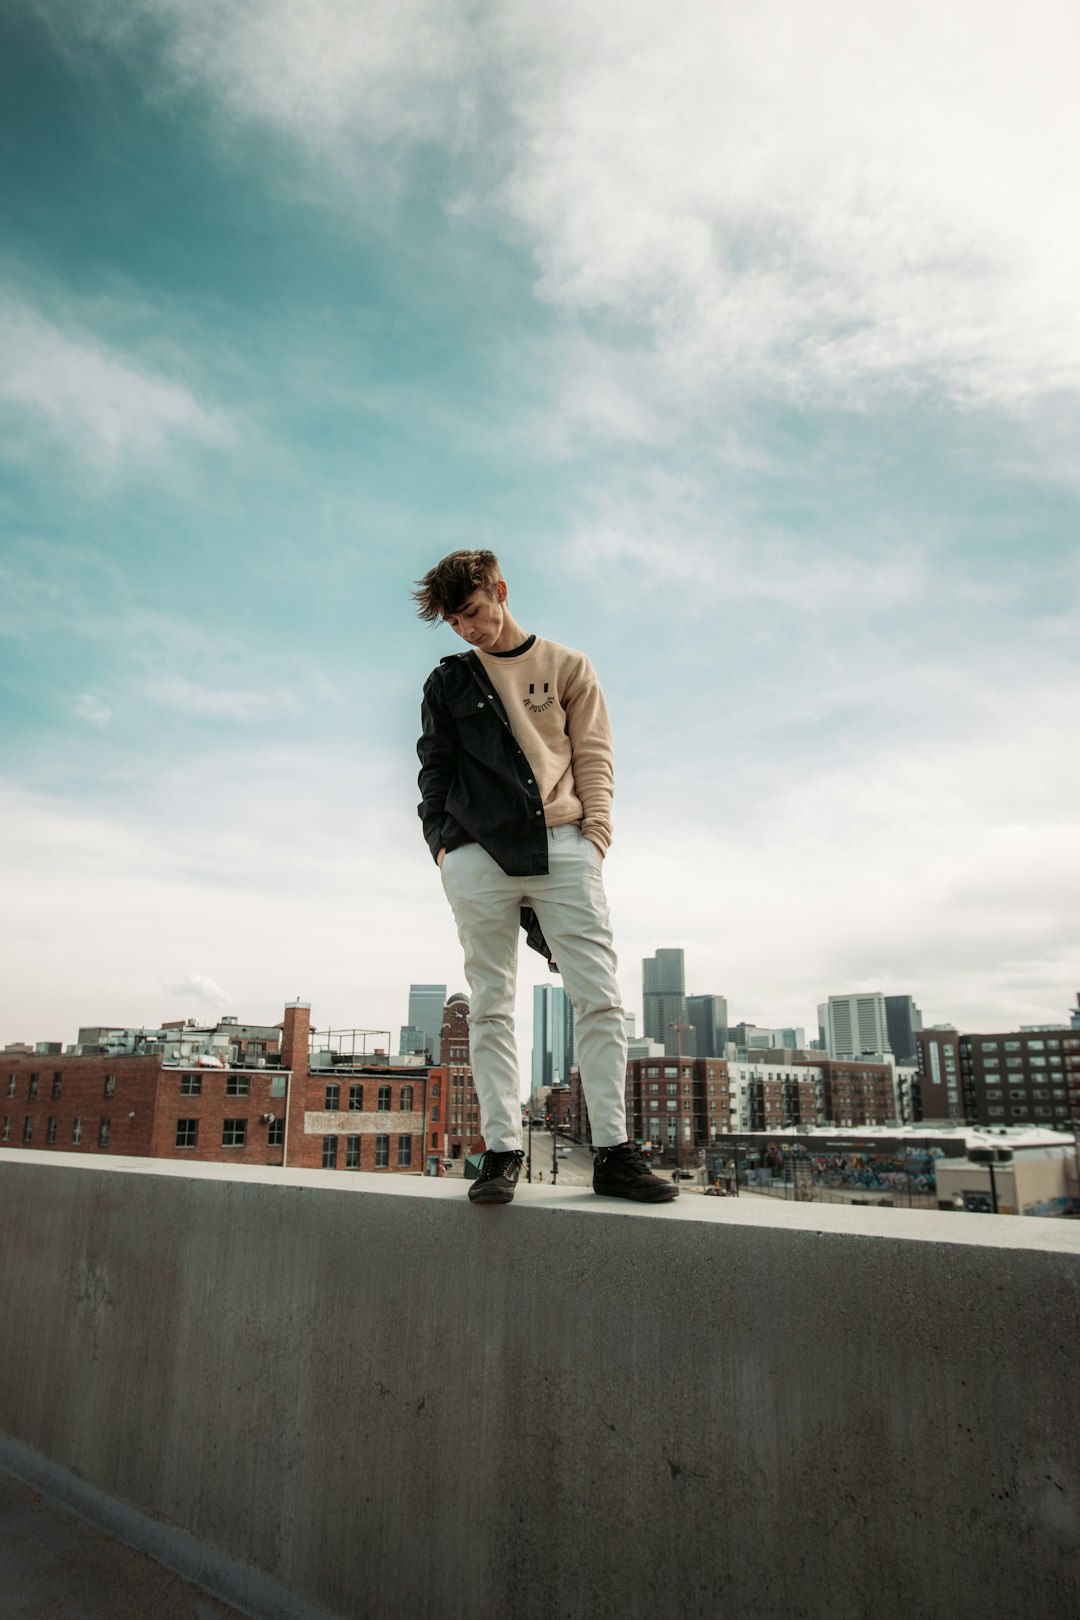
[557,713]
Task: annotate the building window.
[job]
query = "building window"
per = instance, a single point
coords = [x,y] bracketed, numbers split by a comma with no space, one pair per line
[1012,1046]
[11,1085]
[994,1112]
[672,1105]
[651,1071]
[7,1129]
[671,1088]
[434,1113]
[57,1081]
[332,1100]
[28,1128]
[384,1098]
[275,1136]
[31,1090]
[654,1087]
[50,1134]
[435,1088]
[405,1102]
[76,1131]
[103,1133]
[356,1098]
[404,1152]
[671,1069]
[1037,1062]
[187,1133]
[234,1133]
[654,1105]
[236,1085]
[435,1139]
[191,1085]
[110,1085]
[352,1153]
[382,1152]
[329,1152]
[993,1093]
[1042,1112]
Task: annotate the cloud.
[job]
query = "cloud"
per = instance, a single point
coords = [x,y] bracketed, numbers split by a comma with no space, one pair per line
[219,703]
[828,203]
[814,203]
[201,989]
[89,707]
[101,404]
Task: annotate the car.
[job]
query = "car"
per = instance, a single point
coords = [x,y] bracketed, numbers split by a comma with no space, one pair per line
[562,1153]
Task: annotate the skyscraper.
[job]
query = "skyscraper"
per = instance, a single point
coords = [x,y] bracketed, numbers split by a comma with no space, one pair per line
[663,993]
[426,1002]
[903,1021]
[709,1015]
[856,1026]
[553,1035]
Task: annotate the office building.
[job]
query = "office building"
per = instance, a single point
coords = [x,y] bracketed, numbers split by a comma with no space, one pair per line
[903,1020]
[663,986]
[553,1036]
[412,1041]
[856,1027]
[426,1003]
[709,1016]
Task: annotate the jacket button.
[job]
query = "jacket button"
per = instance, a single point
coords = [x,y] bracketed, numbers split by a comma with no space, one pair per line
[539,812]
[479,705]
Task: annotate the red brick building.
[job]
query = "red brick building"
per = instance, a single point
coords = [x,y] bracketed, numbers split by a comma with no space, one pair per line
[453,1122]
[317,1109]
[677,1104]
[856,1092]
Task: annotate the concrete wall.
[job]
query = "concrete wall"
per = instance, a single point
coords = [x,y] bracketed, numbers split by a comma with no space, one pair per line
[398,1405]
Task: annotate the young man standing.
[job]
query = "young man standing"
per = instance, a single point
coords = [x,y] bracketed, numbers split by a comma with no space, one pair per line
[516,780]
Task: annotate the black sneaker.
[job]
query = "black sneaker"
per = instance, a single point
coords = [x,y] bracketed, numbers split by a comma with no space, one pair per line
[621,1172]
[498,1177]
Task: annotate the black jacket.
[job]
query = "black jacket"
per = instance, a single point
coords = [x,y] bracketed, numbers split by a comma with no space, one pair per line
[475,783]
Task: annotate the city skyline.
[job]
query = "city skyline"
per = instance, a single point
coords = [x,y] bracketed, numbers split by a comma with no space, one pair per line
[779,431]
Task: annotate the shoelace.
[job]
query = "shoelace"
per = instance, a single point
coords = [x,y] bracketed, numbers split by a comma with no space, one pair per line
[628,1156]
[495,1163]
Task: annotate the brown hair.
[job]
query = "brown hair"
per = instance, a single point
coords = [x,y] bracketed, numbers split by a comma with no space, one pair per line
[451,582]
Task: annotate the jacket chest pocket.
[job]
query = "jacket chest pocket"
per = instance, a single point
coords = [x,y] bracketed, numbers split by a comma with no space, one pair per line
[473,706]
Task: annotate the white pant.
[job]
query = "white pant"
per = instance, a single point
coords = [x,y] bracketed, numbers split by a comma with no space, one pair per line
[570,904]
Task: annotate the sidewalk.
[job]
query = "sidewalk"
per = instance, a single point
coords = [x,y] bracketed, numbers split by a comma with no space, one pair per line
[54,1566]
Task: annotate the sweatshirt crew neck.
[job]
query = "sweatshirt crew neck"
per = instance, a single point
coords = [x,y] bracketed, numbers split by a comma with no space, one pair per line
[515,652]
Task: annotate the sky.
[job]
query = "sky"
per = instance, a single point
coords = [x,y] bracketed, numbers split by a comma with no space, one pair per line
[747,337]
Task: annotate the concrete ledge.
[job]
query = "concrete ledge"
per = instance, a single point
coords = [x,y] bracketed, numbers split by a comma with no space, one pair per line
[390,1403]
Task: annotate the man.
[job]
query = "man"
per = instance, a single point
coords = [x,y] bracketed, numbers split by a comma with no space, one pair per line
[516,780]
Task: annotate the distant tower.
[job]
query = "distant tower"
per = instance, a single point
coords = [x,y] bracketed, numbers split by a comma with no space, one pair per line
[663,993]
[553,1036]
[856,1027]
[708,1014]
[903,1021]
[426,1002]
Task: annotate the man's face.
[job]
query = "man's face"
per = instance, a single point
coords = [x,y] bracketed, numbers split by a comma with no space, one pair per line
[479,619]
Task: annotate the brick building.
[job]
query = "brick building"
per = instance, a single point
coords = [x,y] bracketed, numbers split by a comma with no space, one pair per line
[857,1093]
[320,1109]
[677,1104]
[936,1093]
[453,1123]
[1020,1077]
